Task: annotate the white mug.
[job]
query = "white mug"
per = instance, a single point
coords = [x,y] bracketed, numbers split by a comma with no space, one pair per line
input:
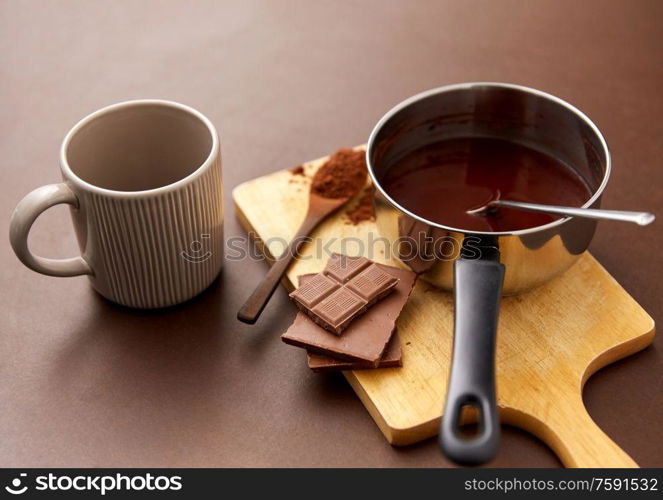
[143,181]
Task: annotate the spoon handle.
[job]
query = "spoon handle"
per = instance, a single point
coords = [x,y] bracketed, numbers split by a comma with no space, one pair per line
[641,218]
[254,305]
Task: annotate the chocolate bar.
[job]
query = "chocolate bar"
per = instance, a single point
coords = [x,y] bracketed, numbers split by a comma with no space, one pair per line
[346,288]
[391,358]
[366,337]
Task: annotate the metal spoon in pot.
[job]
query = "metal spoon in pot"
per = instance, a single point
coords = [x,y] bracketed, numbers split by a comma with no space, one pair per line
[640,218]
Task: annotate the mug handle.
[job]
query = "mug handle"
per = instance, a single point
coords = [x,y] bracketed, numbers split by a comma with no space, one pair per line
[25,214]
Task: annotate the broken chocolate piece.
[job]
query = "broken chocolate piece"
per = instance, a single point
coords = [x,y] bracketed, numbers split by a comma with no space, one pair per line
[391,358]
[342,291]
[366,337]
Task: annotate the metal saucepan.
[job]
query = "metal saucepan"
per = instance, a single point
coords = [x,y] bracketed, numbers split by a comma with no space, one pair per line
[483,265]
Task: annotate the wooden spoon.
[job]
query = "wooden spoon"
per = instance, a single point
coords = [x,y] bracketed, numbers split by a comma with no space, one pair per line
[319,208]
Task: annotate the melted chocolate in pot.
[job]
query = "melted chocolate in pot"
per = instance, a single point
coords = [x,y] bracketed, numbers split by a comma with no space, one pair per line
[443,180]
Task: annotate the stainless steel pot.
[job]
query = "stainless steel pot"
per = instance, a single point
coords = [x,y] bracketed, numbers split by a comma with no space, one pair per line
[480,266]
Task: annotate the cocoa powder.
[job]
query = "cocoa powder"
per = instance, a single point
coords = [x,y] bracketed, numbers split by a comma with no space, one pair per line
[342,176]
[364,210]
[298,170]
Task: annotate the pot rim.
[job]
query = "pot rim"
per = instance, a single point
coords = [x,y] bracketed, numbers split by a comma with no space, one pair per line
[438,90]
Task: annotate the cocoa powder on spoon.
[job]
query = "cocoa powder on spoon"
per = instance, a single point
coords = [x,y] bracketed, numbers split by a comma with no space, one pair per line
[342,176]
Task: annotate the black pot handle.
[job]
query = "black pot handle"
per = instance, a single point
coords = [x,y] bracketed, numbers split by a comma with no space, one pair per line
[477,292]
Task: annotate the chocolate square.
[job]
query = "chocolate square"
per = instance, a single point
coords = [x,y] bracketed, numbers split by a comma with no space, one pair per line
[337,310]
[372,283]
[314,290]
[341,267]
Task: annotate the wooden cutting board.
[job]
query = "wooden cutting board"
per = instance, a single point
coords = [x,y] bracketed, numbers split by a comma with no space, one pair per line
[550,340]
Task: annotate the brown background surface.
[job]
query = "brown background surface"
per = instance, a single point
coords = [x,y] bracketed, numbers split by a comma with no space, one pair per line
[87,383]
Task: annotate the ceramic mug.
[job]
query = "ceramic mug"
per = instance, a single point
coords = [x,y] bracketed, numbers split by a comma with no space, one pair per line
[143,182]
